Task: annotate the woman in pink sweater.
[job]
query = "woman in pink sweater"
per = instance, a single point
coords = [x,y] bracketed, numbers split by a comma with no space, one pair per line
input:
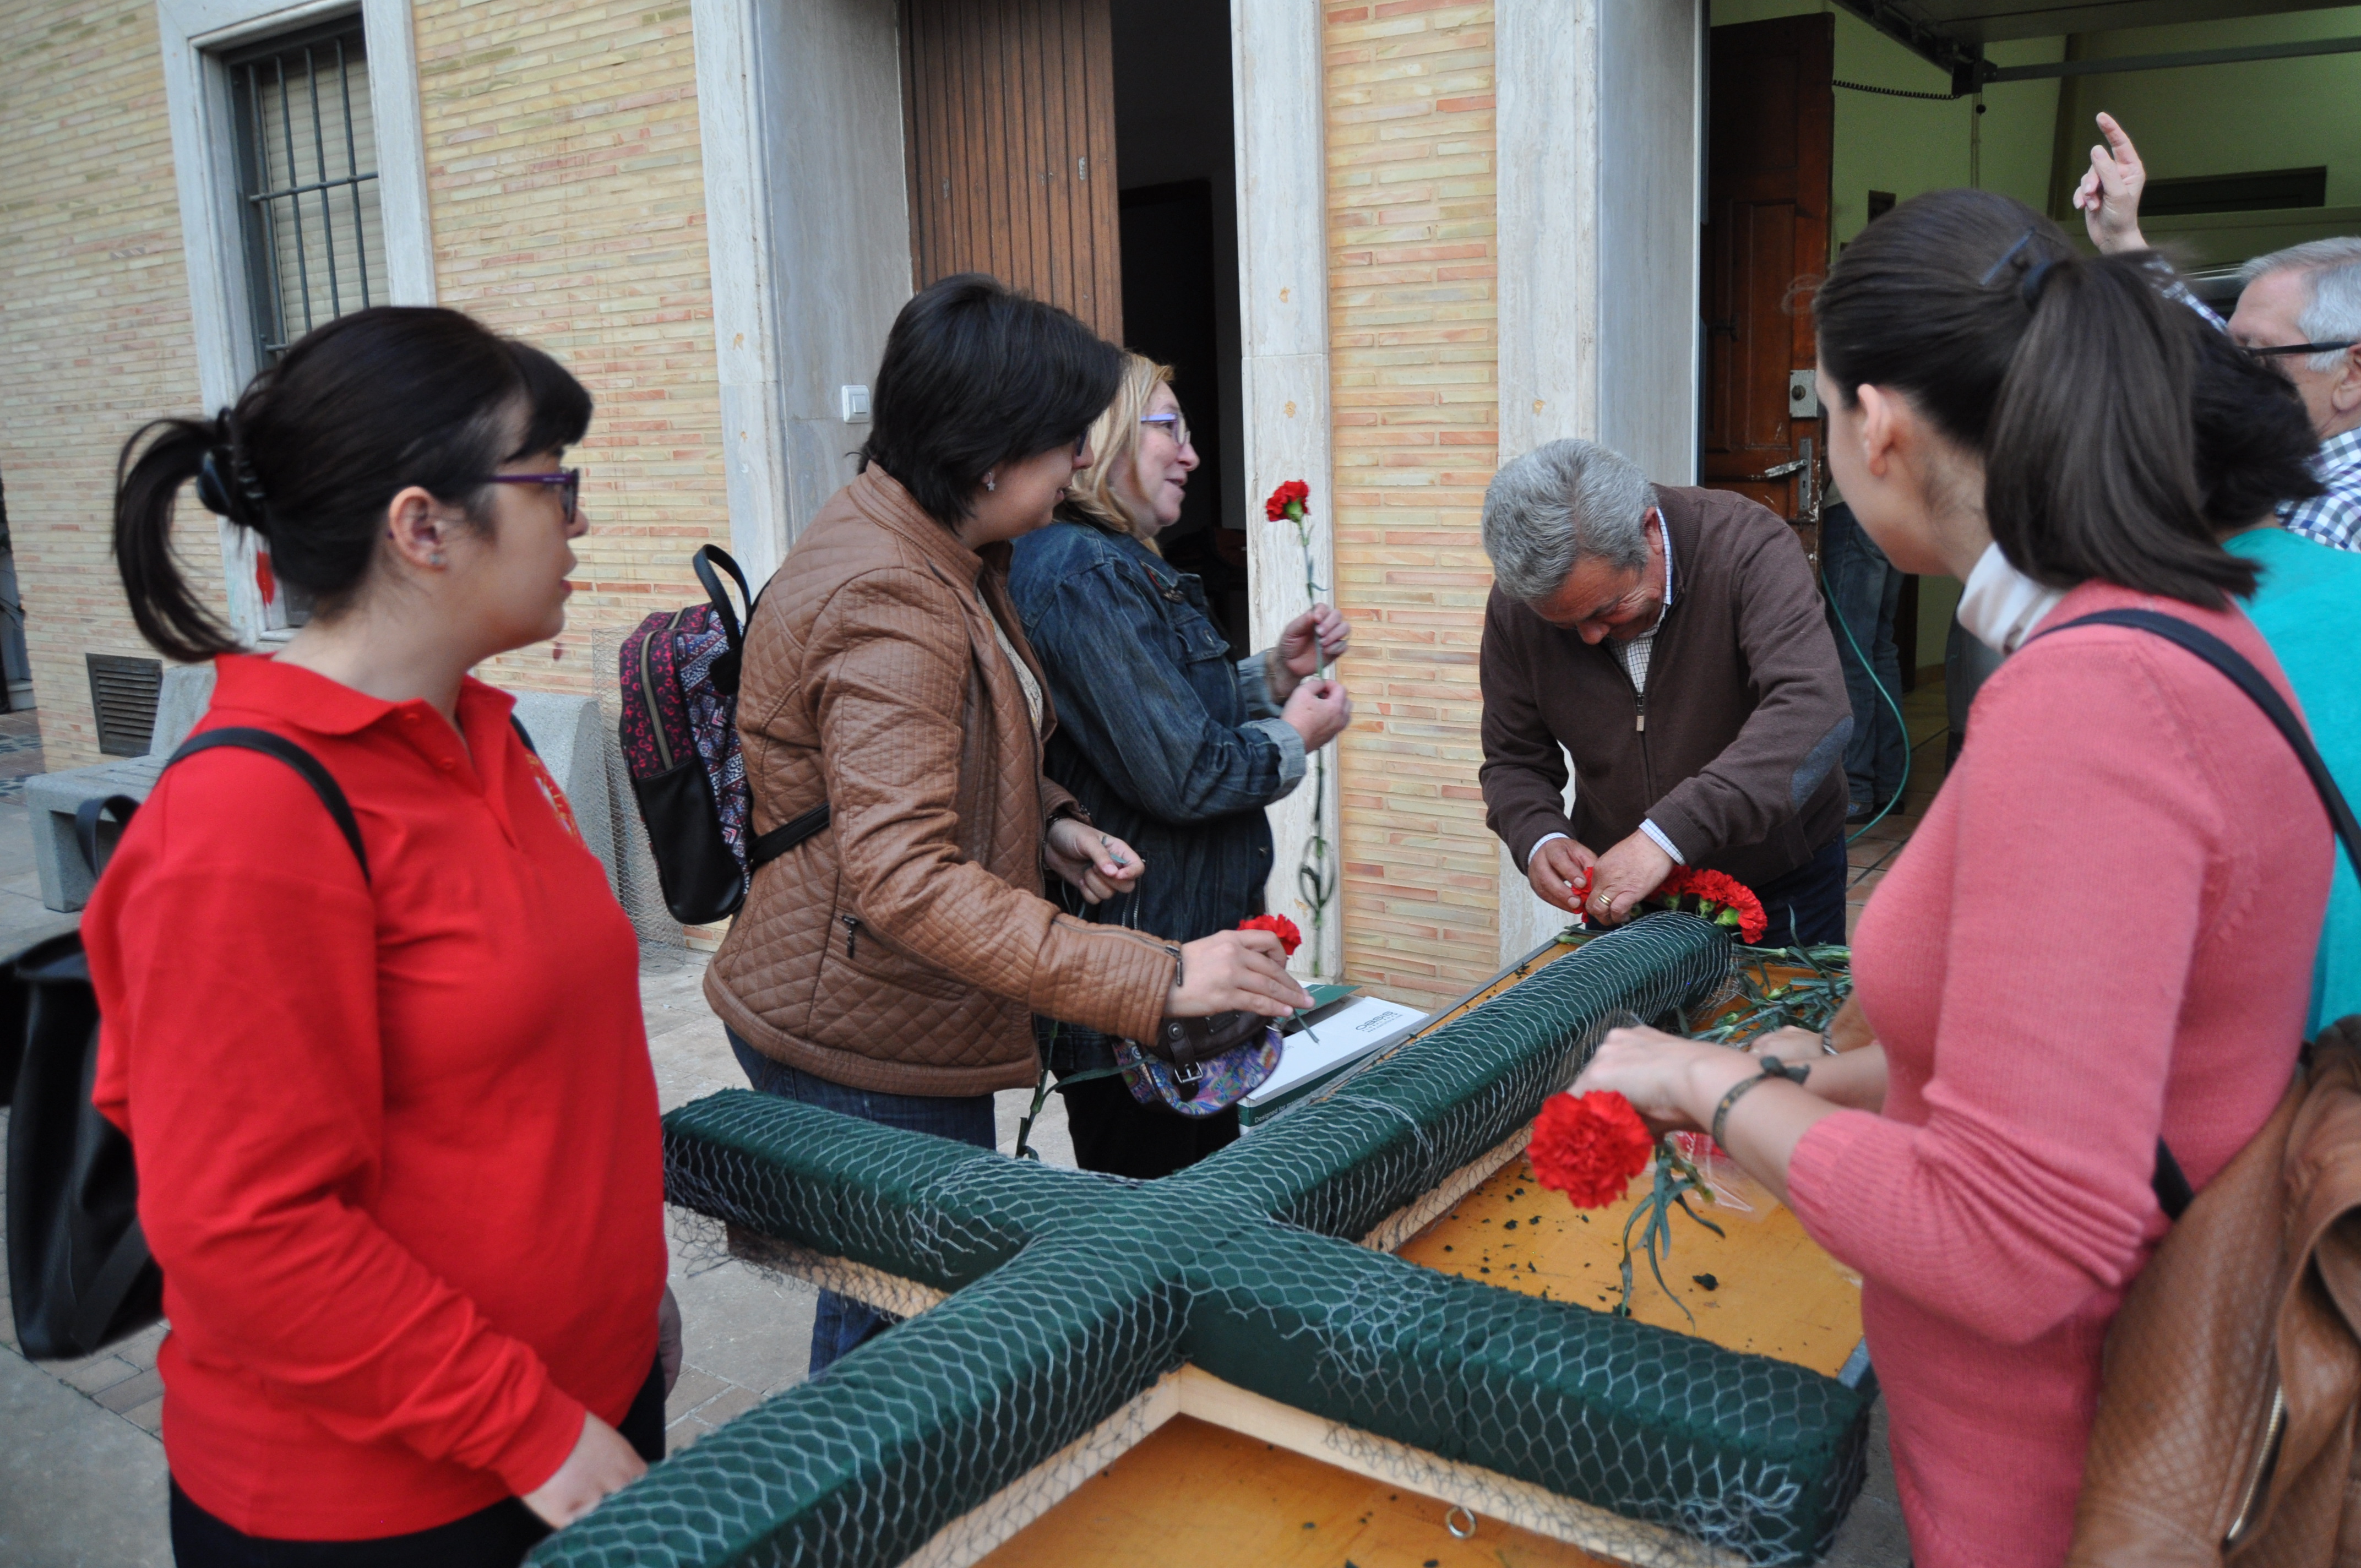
[2102,932]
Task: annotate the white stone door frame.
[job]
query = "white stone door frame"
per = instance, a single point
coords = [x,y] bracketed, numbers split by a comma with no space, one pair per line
[776,324]
[1601,163]
[1277,69]
[197,106]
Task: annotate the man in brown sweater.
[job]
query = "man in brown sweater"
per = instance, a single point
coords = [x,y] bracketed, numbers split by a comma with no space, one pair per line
[1672,642]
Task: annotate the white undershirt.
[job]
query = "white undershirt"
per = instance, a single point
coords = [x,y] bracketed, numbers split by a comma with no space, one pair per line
[2001,605]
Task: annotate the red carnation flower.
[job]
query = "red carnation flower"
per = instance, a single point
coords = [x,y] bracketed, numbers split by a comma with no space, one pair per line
[1279,925]
[1291,501]
[1726,901]
[1589,1147]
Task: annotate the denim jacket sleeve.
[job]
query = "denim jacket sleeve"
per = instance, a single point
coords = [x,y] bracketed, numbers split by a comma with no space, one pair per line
[1124,699]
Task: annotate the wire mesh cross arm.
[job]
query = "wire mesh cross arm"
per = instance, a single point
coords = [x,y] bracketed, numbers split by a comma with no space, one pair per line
[1645,1423]
[860,1469]
[1073,1293]
[1392,1131]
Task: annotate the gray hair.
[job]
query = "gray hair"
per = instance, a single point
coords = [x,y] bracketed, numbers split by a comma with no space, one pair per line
[2333,268]
[1546,510]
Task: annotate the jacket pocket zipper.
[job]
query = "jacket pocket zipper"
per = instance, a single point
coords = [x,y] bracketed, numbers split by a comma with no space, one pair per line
[852,933]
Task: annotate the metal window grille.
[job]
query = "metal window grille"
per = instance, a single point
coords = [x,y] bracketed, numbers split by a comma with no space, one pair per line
[307,181]
[124,691]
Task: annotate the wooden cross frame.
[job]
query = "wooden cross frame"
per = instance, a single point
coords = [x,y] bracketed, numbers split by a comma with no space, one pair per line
[1057,1317]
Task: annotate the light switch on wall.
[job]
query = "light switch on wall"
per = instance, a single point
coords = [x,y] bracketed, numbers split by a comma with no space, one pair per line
[854,404]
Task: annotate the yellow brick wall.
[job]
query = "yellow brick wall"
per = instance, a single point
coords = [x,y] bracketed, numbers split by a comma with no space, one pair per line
[567,202]
[94,320]
[1415,371]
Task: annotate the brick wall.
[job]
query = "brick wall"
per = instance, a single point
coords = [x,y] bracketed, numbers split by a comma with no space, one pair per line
[94,322]
[567,202]
[1414,366]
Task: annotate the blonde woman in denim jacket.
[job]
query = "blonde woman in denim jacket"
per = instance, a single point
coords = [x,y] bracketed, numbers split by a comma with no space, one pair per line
[1169,744]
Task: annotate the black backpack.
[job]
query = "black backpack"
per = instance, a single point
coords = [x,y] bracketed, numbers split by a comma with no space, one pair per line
[79,1275]
[679,738]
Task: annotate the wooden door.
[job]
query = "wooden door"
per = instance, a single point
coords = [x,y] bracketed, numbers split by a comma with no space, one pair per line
[1772,108]
[1008,111]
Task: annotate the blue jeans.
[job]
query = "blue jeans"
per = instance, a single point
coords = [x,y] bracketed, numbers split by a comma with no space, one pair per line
[841,1325]
[1864,593]
[1807,905]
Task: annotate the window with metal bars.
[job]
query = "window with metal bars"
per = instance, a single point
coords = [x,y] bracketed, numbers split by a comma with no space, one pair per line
[307,181]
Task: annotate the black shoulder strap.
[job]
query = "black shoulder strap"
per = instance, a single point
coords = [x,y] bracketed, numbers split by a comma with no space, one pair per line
[323,782]
[786,836]
[86,816]
[2172,1189]
[733,630]
[523,734]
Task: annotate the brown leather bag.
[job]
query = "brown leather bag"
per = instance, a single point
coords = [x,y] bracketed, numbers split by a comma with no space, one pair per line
[2225,1432]
[2232,1374]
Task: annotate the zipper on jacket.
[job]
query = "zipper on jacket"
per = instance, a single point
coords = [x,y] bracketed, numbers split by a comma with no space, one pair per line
[2258,1480]
[852,932]
[1639,723]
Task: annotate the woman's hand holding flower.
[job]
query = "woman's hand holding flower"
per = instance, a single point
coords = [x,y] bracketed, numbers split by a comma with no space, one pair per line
[1317,637]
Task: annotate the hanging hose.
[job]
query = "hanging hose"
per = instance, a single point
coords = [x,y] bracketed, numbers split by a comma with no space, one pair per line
[1854,644]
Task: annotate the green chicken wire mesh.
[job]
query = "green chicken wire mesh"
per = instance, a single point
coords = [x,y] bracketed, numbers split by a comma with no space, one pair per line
[1071,1293]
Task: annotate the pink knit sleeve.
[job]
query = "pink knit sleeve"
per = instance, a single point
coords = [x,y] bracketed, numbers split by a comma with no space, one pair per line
[2083,833]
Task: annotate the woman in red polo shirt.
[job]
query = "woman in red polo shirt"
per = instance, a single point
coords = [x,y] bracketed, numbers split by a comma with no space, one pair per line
[395,1122]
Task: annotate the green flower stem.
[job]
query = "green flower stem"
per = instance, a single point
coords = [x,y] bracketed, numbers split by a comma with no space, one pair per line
[1315,879]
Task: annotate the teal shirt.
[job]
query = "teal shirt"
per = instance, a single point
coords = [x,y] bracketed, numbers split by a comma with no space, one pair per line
[2309,608]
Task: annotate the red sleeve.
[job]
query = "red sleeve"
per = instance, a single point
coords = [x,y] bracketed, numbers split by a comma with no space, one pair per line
[2084,837]
[235,949]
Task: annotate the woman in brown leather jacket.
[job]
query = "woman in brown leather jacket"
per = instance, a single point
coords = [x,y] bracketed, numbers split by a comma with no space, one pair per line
[888,966]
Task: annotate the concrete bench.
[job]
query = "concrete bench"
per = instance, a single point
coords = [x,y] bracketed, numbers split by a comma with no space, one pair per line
[566,730]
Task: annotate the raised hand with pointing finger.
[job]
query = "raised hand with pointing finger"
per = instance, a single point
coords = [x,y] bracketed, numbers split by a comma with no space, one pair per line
[2109,194]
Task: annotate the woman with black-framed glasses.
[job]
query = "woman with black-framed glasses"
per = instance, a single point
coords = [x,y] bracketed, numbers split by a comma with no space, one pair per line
[390,1095]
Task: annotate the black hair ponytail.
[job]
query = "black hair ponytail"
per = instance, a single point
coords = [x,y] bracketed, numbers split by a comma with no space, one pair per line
[170,453]
[2071,377]
[321,442]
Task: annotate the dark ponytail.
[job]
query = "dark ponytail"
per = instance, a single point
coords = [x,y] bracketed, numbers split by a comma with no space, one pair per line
[2071,377]
[2255,439]
[320,442]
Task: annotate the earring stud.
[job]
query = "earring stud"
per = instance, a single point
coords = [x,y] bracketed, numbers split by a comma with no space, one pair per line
[988,484]
[435,559]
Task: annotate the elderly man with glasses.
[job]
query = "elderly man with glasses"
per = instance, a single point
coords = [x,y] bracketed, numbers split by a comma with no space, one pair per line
[1671,643]
[2301,312]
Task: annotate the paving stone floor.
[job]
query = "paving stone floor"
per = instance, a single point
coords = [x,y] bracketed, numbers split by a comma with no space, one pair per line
[82,1468]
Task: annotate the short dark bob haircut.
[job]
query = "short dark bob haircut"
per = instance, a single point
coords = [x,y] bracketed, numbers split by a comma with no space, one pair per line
[976,374]
[2071,378]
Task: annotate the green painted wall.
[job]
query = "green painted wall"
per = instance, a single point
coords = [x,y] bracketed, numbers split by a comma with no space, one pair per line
[2219,119]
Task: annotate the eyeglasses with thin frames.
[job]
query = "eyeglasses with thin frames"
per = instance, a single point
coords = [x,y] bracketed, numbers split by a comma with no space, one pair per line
[567,480]
[2274,350]
[1175,425]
